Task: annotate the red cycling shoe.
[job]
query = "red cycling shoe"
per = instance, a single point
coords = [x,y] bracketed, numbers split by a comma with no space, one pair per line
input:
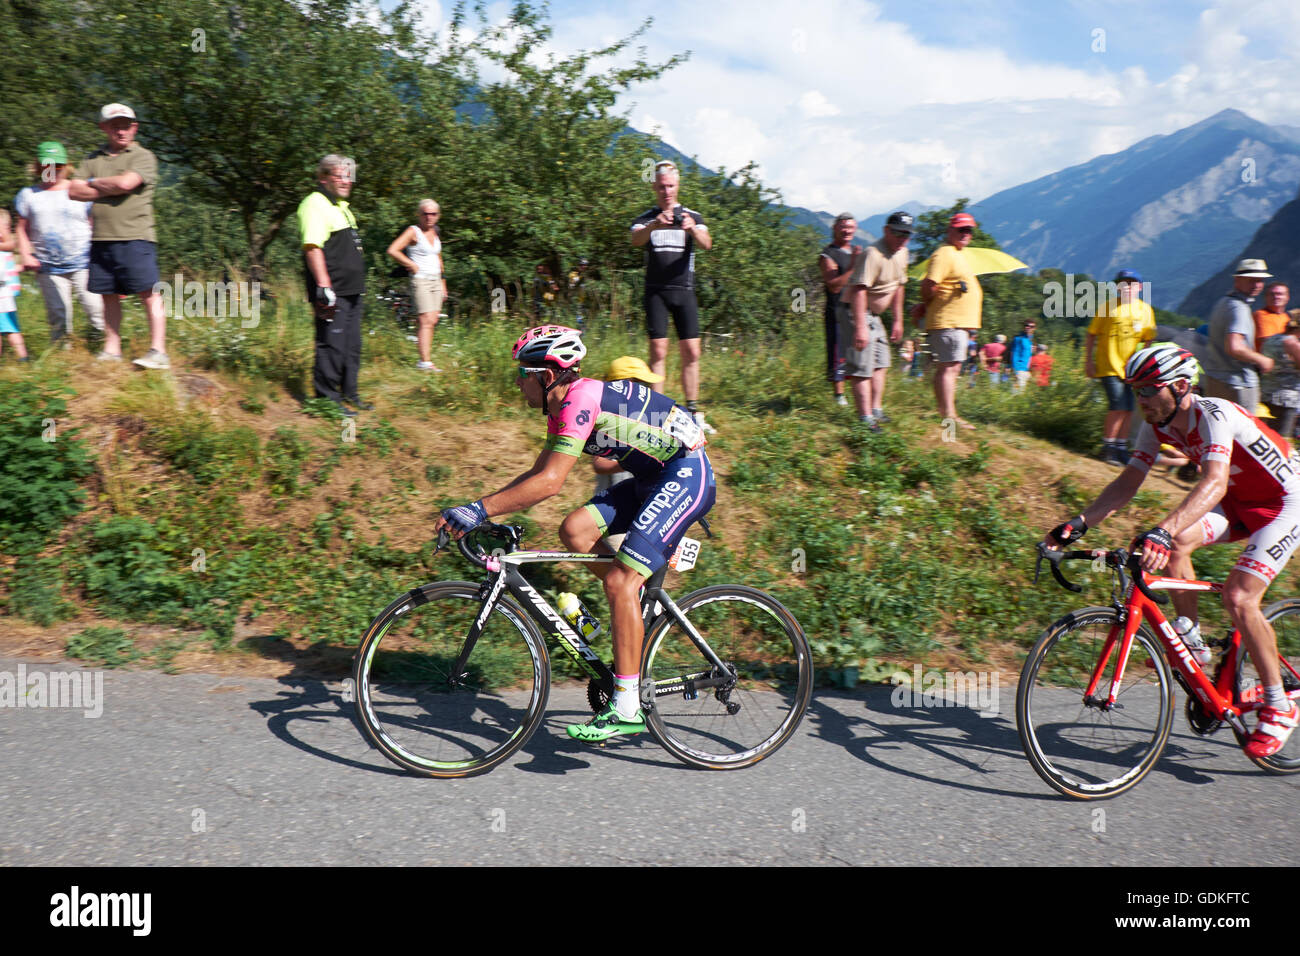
[1272,731]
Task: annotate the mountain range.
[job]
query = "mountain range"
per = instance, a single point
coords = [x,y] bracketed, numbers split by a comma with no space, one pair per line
[1178,208]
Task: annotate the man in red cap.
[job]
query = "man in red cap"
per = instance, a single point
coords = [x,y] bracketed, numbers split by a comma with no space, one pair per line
[951,304]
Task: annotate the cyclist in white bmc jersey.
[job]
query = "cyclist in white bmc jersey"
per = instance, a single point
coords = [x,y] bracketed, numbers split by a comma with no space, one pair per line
[1249,488]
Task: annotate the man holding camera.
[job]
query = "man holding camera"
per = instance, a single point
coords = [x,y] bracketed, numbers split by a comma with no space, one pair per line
[669,233]
[951,304]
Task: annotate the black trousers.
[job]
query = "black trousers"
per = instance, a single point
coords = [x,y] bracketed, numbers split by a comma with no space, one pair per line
[338,351]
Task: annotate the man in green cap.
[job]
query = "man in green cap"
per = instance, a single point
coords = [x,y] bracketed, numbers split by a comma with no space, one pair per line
[54,242]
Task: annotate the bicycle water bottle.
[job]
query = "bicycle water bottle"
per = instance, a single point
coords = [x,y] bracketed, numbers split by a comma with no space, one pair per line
[577,615]
[1190,634]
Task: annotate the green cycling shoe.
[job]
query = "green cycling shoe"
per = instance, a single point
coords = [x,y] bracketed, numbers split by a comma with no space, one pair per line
[608,723]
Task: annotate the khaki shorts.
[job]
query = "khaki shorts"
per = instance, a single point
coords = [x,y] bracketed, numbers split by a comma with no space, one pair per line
[948,345]
[861,363]
[427,295]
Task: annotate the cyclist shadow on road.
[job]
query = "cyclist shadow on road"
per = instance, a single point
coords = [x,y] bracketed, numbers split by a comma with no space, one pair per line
[310,715]
[974,749]
[325,712]
[552,751]
[876,728]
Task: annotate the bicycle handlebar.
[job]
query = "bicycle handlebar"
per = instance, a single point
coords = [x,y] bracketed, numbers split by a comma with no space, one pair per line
[470,543]
[1128,566]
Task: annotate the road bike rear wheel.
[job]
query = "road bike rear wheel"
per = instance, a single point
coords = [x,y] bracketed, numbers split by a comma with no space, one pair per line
[412,710]
[1285,618]
[1076,747]
[743,712]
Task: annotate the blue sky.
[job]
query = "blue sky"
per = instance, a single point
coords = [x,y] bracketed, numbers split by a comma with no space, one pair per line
[848,104]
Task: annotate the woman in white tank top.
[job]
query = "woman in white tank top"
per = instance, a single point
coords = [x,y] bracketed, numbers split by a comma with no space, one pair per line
[424,263]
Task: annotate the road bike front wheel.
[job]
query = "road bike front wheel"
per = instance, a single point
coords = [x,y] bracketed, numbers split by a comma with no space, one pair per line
[429,721]
[1285,618]
[729,716]
[1076,746]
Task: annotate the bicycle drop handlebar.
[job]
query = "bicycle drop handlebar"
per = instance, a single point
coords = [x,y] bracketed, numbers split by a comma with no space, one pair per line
[471,546]
[1127,565]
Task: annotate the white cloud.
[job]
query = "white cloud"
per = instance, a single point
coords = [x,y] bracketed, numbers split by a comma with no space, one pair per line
[842,107]
[814,104]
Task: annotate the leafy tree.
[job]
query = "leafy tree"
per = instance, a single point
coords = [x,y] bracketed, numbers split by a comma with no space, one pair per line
[248,96]
[40,98]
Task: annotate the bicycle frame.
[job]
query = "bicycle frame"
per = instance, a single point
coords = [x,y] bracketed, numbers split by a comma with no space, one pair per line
[505,574]
[1216,698]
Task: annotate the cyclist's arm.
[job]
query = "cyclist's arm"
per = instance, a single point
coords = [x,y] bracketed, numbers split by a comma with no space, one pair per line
[1113,497]
[538,483]
[1209,491]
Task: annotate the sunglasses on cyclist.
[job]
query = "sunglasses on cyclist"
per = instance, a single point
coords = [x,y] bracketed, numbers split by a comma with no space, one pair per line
[524,371]
[1148,391]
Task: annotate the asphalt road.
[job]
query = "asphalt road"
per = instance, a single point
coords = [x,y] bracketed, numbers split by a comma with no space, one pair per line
[196,769]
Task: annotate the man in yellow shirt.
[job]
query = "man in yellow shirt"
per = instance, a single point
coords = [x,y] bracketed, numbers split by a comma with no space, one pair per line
[951,303]
[1118,330]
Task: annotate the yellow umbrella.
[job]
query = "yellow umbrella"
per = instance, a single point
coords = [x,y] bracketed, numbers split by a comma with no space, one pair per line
[983,261]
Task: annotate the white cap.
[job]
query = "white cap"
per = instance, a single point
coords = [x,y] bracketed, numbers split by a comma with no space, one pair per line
[114,111]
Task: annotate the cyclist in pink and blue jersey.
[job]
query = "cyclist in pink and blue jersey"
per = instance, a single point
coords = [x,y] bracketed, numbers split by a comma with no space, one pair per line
[649,435]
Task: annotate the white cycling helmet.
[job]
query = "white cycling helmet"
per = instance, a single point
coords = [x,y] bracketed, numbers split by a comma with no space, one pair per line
[557,344]
[1160,365]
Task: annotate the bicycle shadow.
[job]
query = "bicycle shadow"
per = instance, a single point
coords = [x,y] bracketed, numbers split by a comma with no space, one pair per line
[550,751]
[968,742]
[957,735]
[316,703]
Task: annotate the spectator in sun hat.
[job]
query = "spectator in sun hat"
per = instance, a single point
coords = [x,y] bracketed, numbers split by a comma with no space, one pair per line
[120,180]
[1231,363]
[54,241]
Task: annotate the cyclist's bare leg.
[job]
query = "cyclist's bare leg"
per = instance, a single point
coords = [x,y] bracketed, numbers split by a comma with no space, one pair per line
[1180,566]
[580,534]
[690,349]
[622,590]
[658,360]
[1242,596]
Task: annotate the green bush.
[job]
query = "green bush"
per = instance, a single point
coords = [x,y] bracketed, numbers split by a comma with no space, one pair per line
[108,646]
[40,465]
[286,453]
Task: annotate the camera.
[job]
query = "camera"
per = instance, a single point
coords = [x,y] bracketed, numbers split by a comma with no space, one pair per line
[677,216]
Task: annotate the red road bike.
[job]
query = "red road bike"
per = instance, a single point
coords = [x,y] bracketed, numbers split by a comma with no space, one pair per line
[1096,697]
